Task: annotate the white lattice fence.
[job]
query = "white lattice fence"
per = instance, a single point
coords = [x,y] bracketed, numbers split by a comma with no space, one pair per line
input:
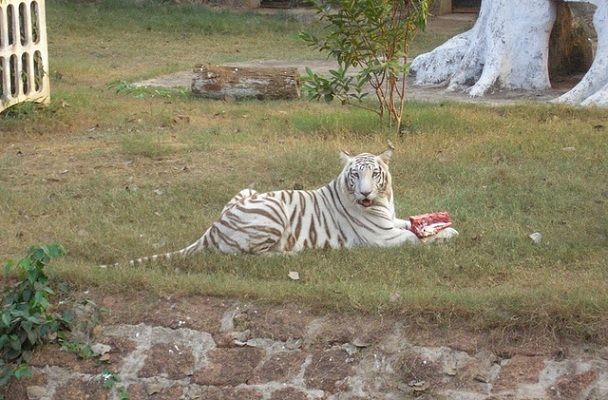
[23,53]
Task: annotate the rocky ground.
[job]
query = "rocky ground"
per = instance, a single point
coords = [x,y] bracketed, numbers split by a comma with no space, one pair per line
[211,348]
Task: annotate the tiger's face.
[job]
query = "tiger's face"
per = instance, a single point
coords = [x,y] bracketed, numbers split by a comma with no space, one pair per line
[366,176]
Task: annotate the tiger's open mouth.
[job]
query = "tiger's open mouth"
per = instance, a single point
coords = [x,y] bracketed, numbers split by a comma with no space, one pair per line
[365,202]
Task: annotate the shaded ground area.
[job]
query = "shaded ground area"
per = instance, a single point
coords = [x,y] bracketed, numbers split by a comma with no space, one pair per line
[443,25]
[212,348]
[183,79]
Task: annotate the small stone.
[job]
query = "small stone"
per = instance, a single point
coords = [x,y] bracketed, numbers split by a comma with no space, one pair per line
[35,392]
[350,348]
[536,237]
[99,349]
[259,343]
[293,344]
[394,297]
[358,342]
[487,375]
[419,386]
[153,388]
[293,275]
[241,336]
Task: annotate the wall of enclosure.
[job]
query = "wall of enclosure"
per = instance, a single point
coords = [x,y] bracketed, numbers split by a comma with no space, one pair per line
[23,53]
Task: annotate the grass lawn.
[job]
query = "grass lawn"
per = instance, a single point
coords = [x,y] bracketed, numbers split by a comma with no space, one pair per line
[114,174]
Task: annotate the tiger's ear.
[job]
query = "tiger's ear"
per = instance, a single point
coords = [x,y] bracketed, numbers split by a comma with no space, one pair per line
[386,155]
[345,157]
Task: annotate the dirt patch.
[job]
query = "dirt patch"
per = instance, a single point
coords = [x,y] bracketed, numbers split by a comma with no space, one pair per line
[183,80]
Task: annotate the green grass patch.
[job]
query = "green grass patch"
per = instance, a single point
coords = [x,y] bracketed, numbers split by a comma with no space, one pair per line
[147,145]
[114,172]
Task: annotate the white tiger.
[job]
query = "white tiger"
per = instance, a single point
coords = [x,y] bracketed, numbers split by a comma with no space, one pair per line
[354,209]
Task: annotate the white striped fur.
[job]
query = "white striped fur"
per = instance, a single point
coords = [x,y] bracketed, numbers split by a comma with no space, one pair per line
[355,209]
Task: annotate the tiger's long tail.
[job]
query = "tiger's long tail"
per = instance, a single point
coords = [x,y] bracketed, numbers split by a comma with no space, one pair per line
[183,253]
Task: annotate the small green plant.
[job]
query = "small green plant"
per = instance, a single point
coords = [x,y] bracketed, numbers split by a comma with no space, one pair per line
[27,317]
[373,37]
[147,145]
[111,380]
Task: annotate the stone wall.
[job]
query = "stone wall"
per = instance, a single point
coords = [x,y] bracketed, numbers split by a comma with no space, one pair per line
[218,349]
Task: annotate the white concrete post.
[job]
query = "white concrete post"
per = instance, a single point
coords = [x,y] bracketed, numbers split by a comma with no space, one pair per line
[24,65]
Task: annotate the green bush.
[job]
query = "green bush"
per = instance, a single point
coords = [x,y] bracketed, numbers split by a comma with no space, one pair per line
[373,36]
[27,317]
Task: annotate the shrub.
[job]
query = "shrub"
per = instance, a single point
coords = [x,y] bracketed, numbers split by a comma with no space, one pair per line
[374,36]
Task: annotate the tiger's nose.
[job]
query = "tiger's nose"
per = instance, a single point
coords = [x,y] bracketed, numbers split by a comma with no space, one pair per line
[365,194]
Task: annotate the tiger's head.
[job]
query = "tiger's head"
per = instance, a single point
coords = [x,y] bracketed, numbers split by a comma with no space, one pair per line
[366,176]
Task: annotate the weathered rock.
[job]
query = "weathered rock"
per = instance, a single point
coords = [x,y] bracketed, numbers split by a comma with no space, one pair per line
[154,392]
[52,355]
[519,369]
[573,386]
[327,368]
[77,389]
[171,361]
[100,349]
[281,323]
[396,364]
[223,393]
[280,367]
[288,394]
[35,392]
[229,367]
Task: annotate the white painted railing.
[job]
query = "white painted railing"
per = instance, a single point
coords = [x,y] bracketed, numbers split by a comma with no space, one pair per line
[23,53]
